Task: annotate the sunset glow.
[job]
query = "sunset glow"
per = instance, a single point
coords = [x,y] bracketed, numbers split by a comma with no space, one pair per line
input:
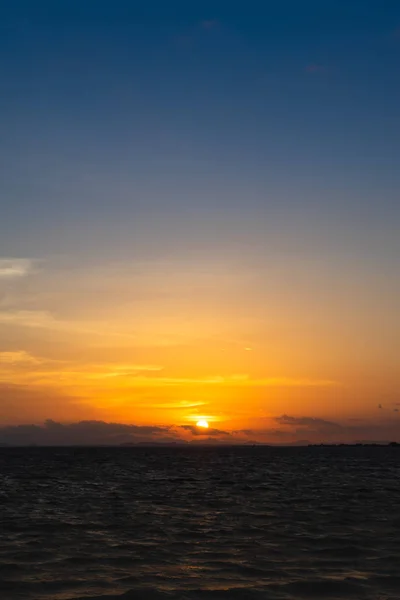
[195,241]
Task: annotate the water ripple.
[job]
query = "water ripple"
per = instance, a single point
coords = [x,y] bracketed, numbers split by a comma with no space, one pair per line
[200,523]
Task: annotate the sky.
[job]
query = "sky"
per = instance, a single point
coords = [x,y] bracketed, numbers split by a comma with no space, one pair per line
[200,219]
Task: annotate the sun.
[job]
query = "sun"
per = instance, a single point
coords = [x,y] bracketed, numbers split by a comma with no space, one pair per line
[202,423]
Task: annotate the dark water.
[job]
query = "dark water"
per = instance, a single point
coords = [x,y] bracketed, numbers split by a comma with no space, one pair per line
[200,523]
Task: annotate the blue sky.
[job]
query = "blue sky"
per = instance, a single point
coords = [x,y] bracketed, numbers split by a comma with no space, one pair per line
[181,110]
[258,138]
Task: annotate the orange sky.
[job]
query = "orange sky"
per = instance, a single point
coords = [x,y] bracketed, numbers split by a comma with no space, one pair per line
[169,343]
[202,229]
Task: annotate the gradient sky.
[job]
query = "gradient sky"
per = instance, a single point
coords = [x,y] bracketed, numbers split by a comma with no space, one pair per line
[200,215]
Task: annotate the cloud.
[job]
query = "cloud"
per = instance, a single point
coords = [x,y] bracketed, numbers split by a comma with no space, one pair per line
[313,423]
[170,405]
[243,431]
[81,433]
[201,432]
[19,357]
[130,370]
[28,318]
[107,375]
[319,430]
[15,267]
[295,430]
[265,433]
[290,382]
[21,367]
[207,441]
[40,319]
[244,380]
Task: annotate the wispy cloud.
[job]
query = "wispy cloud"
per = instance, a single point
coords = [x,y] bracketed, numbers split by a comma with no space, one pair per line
[28,318]
[49,372]
[274,382]
[40,319]
[15,267]
[218,380]
[127,370]
[170,405]
[293,382]
[17,358]
[42,371]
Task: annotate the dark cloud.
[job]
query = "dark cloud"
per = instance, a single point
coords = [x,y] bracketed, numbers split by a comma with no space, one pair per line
[319,430]
[81,433]
[310,423]
[212,441]
[278,433]
[244,431]
[198,431]
[292,429]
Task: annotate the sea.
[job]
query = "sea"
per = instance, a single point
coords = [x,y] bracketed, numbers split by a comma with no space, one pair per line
[200,523]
